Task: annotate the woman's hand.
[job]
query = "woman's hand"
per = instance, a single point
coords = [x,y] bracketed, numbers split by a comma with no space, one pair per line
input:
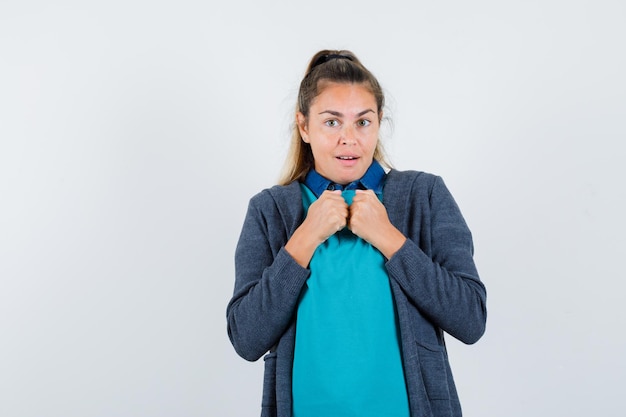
[326,216]
[369,220]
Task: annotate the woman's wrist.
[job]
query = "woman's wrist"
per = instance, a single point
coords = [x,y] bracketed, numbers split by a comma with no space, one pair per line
[392,242]
[301,246]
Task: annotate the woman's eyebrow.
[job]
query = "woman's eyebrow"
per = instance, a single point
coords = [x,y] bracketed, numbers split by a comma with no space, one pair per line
[339,114]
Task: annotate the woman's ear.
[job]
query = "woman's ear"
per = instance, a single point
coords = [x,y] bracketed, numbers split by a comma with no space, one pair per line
[302,127]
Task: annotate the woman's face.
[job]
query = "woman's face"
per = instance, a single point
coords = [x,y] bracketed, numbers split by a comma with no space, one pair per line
[342,129]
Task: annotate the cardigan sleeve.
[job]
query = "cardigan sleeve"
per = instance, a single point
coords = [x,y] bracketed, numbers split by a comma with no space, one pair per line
[435,266]
[268,282]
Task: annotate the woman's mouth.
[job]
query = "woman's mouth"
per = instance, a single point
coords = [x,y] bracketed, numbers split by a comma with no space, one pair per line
[348,161]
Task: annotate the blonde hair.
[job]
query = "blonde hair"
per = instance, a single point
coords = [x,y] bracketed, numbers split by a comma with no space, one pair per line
[327,66]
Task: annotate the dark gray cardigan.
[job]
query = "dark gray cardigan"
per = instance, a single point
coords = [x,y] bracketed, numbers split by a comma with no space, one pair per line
[434,281]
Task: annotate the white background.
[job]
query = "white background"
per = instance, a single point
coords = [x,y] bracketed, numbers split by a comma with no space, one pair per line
[133,133]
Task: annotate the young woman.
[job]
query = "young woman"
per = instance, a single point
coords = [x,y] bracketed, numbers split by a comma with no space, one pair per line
[349,272]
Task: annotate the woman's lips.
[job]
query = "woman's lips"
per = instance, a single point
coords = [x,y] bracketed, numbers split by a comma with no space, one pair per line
[347,160]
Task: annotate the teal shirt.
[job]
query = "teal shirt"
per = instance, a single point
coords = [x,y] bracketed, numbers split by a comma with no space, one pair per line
[347,358]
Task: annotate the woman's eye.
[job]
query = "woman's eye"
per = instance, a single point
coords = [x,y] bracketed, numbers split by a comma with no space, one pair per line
[363,122]
[332,123]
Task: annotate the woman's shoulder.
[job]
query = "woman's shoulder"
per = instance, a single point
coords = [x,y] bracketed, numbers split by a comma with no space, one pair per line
[278,191]
[411,179]
[277,196]
[417,185]
[279,205]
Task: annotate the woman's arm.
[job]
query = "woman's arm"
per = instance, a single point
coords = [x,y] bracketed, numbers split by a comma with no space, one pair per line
[271,268]
[268,282]
[444,285]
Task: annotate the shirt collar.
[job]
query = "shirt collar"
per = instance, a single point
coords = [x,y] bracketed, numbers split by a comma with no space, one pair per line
[373,179]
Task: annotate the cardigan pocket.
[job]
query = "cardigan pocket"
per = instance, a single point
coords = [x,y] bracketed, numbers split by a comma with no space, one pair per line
[433,370]
[269,384]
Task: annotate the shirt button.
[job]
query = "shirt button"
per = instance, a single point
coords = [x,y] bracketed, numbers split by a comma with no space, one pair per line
[331,187]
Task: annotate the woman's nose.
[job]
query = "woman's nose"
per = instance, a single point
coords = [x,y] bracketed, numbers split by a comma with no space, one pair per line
[348,136]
